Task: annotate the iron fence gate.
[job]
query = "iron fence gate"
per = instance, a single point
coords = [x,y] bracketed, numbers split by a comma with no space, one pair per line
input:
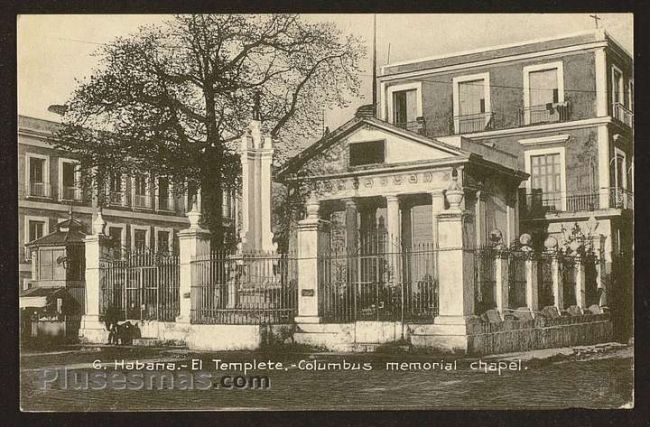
[568,277]
[141,286]
[545,280]
[375,283]
[484,280]
[517,279]
[250,288]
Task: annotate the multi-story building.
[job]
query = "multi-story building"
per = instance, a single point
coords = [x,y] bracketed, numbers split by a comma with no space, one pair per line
[564,106]
[142,212]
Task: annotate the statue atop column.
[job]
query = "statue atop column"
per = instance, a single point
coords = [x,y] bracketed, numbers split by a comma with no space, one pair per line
[256,157]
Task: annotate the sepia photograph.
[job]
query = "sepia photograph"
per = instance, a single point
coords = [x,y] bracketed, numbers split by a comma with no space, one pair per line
[325,212]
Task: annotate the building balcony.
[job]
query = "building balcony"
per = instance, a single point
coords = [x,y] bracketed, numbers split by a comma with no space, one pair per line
[538,204]
[165,204]
[418,126]
[141,201]
[621,198]
[446,125]
[116,198]
[39,189]
[622,114]
[548,113]
[471,123]
[70,193]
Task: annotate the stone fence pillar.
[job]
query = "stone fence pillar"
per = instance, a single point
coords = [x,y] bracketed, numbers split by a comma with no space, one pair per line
[194,242]
[580,282]
[501,281]
[532,295]
[308,295]
[97,249]
[455,264]
[558,289]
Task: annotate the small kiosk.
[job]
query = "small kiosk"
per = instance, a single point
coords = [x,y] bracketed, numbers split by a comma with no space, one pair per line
[54,302]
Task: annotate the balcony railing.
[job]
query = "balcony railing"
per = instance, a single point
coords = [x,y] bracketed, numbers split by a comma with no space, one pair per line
[538,204]
[622,114]
[547,113]
[116,198]
[470,123]
[70,193]
[164,203]
[417,126]
[39,189]
[141,201]
[621,198]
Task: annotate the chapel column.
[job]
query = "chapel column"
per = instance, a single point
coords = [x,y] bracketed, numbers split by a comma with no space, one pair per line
[394,242]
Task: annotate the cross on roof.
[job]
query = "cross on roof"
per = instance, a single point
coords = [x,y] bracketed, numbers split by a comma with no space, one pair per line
[596,18]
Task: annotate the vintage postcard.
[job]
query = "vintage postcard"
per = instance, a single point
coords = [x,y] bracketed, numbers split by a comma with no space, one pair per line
[325,212]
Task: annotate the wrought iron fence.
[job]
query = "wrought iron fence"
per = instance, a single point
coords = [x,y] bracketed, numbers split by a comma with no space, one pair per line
[141,286]
[379,281]
[245,289]
[484,280]
[623,114]
[545,280]
[517,278]
[568,274]
[546,113]
[470,123]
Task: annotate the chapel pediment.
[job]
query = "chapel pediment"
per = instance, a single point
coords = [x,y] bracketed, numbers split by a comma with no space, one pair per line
[368,143]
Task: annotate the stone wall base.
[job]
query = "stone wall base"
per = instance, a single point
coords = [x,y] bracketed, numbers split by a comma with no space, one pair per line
[91,330]
[198,337]
[471,336]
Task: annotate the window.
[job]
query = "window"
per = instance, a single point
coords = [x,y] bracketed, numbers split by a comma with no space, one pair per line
[116,234]
[227,204]
[163,241]
[37,175]
[35,228]
[404,107]
[620,172]
[164,199]
[141,191]
[617,85]
[547,184]
[543,87]
[50,266]
[140,241]
[472,110]
[404,104]
[366,153]
[116,193]
[630,96]
[68,180]
[543,93]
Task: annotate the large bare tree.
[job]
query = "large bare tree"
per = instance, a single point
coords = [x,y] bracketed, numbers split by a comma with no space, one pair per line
[167,99]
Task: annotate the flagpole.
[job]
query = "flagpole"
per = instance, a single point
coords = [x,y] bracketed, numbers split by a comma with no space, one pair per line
[374,61]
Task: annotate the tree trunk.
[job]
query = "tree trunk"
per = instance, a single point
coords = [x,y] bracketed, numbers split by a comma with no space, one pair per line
[212,196]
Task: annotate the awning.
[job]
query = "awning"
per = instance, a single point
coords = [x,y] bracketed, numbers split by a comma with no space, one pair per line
[37,297]
[32,302]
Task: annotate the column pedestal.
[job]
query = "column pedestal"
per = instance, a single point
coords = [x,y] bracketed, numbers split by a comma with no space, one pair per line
[97,248]
[308,290]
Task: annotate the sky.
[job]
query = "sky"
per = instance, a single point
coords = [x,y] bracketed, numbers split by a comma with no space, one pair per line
[56,51]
